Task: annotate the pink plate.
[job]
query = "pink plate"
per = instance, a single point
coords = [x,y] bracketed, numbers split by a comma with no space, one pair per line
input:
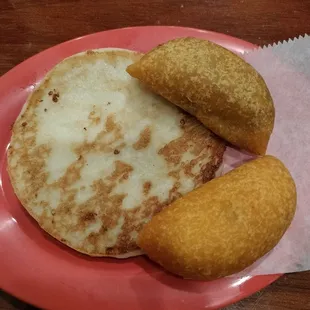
[41,271]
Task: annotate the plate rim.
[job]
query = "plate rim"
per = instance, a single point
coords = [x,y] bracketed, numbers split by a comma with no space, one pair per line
[5,79]
[224,36]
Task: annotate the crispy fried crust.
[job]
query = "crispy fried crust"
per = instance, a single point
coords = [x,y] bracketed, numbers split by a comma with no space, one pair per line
[225,225]
[224,92]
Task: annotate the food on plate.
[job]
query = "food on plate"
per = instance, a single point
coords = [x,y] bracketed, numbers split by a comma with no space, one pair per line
[94,155]
[225,225]
[219,88]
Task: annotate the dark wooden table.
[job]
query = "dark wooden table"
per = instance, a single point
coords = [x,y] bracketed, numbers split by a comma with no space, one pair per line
[30,26]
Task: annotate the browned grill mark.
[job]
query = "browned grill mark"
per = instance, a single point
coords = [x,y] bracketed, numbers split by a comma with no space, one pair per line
[72,174]
[121,172]
[31,164]
[144,139]
[88,216]
[94,116]
[111,202]
[153,206]
[98,145]
[174,191]
[194,140]
[110,123]
[147,187]
[93,238]
[109,250]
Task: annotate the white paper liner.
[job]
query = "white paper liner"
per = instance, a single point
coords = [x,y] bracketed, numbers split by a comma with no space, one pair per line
[286,70]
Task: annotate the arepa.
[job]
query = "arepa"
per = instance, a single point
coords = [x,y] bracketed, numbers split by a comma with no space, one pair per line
[94,155]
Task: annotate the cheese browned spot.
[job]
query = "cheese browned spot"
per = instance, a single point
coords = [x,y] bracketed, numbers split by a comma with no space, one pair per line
[121,171]
[144,139]
[192,141]
[89,216]
[146,187]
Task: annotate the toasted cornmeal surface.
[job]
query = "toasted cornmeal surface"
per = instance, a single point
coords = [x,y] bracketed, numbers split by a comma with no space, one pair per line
[219,88]
[225,225]
[94,155]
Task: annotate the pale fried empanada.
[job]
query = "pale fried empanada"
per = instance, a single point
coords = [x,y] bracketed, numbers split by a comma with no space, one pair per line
[219,88]
[226,224]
